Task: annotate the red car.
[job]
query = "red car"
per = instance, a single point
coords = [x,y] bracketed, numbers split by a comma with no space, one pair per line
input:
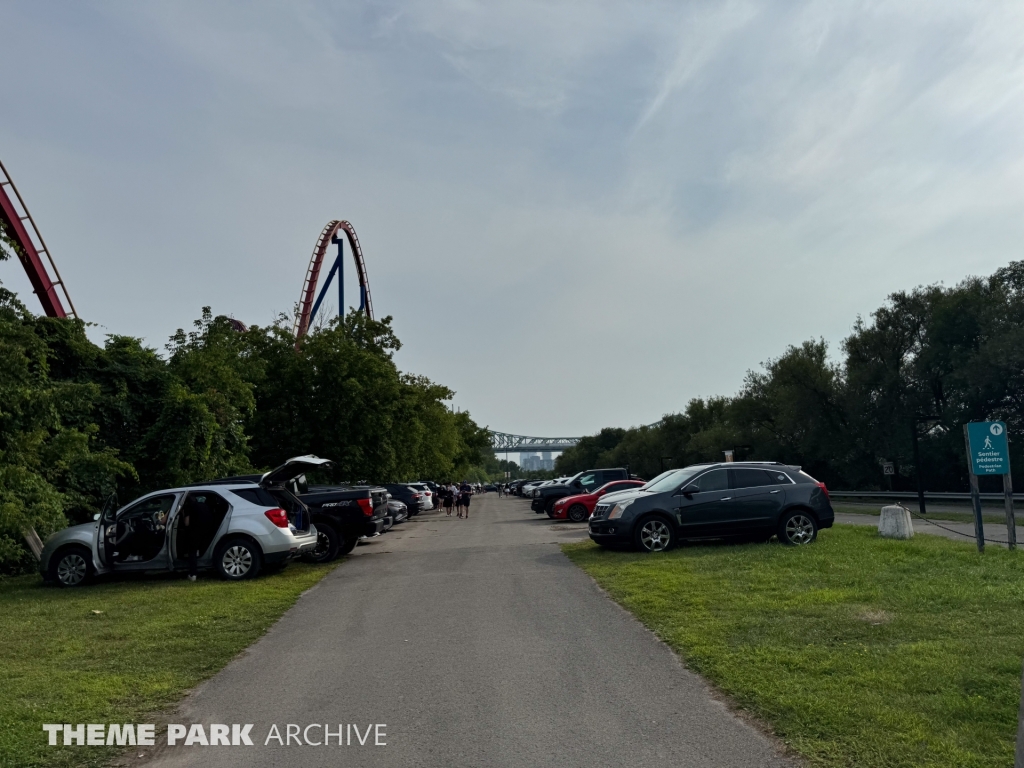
[578,508]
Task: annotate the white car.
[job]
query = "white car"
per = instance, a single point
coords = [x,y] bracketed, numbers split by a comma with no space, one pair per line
[428,502]
[245,524]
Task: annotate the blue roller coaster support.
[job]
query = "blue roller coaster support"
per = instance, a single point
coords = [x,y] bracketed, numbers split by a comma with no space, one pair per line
[341,284]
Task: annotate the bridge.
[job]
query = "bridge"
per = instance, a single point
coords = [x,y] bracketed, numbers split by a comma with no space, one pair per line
[505,443]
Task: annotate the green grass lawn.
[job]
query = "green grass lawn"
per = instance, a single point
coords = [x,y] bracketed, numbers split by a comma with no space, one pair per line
[989,516]
[151,641]
[858,651]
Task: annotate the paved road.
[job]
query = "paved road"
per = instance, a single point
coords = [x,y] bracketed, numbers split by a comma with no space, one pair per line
[478,644]
[995,533]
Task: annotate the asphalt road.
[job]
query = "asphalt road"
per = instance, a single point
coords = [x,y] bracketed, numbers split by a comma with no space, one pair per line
[478,644]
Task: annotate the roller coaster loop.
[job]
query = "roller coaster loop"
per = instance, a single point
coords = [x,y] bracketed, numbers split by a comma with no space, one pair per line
[13,219]
[309,301]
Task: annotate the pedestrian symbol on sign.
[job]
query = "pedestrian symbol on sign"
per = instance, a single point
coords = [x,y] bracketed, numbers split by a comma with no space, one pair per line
[988,442]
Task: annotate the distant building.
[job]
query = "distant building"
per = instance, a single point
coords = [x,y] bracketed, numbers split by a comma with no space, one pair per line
[532,462]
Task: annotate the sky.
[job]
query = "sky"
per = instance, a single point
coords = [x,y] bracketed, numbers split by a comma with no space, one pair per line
[579,214]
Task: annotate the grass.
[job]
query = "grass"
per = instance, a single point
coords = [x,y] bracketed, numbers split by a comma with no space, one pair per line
[858,650]
[120,651]
[990,518]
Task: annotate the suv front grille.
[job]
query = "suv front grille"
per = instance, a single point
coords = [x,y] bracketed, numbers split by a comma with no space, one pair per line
[601,511]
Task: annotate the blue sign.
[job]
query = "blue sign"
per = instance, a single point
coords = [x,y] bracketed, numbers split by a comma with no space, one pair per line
[990,454]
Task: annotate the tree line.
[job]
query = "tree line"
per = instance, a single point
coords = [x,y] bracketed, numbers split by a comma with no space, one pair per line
[79,421]
[925,363]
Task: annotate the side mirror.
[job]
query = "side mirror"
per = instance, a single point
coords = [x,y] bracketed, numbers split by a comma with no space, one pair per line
[691,489]
[96,516]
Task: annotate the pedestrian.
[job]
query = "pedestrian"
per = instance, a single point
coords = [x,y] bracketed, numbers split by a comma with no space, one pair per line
[447,491]
[467,492]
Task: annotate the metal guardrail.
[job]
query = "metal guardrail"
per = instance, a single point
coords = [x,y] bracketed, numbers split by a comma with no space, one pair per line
[928,495]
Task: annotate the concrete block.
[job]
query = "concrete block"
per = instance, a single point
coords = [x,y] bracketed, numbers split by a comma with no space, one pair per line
[895,523]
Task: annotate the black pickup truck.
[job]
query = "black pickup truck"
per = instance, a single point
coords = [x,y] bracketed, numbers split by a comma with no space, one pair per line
[544,498]
[341,513]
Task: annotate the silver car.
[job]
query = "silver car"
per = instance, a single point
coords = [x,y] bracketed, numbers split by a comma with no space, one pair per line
[245,524]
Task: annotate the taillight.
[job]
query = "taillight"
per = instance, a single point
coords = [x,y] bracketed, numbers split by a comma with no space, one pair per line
[366,505]
[278,517]
[822,486]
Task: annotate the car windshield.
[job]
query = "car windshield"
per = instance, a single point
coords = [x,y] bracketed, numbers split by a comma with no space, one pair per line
[669,481]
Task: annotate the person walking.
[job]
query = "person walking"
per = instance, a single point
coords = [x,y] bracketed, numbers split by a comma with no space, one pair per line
[447,491]
[467,492]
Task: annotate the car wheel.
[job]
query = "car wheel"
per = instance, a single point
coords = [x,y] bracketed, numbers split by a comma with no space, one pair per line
[348,544]
[577,513]
[798,528]
[549,505]
[654,534]
[71,567]
[327,545]
[237,559]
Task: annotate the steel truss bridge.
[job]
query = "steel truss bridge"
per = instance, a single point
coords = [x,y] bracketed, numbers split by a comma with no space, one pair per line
[505,443]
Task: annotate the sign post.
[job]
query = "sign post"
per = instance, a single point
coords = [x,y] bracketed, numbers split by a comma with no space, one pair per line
[989,454]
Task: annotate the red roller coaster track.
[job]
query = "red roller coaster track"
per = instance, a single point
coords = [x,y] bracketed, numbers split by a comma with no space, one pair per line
[308,298]
[13,219]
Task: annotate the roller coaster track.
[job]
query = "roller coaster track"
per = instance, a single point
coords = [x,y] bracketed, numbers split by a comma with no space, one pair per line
[13,219]
[306,302]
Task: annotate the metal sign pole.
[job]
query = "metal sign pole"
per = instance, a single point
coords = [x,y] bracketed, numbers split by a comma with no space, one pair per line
[979,525]
[1011,524]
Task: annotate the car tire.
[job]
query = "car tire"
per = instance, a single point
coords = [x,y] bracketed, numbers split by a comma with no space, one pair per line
[577,513]
[348,543]
[71,567]
[237,559]
[328,544]
[549,505]
[654,534]
[798,528]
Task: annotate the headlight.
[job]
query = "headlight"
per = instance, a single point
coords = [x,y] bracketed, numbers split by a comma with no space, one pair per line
[560,502]
[619,508]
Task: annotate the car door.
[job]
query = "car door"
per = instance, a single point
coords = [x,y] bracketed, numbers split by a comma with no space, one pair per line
[708,510]
[756,498]
[209,519]
[138,539]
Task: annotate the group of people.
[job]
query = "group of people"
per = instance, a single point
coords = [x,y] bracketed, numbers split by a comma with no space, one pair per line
[457,496]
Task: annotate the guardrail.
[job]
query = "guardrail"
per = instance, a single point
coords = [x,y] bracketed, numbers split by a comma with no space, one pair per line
[928,495]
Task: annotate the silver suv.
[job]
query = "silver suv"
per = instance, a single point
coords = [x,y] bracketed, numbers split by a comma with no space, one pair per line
[246,524]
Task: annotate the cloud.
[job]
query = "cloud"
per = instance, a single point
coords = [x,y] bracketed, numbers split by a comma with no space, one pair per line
[579,213]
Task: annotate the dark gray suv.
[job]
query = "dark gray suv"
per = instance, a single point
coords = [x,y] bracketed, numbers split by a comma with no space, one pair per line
[753,500]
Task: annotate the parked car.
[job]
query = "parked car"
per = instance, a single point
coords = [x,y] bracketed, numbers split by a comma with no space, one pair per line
[753,500]
[578,508]
[342,515]
[397,511]
[249,524]
[526,490]
[587,481]
[428,496]
[408,495]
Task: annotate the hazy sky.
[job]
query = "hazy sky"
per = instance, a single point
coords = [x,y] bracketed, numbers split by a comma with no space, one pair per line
[579,214]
